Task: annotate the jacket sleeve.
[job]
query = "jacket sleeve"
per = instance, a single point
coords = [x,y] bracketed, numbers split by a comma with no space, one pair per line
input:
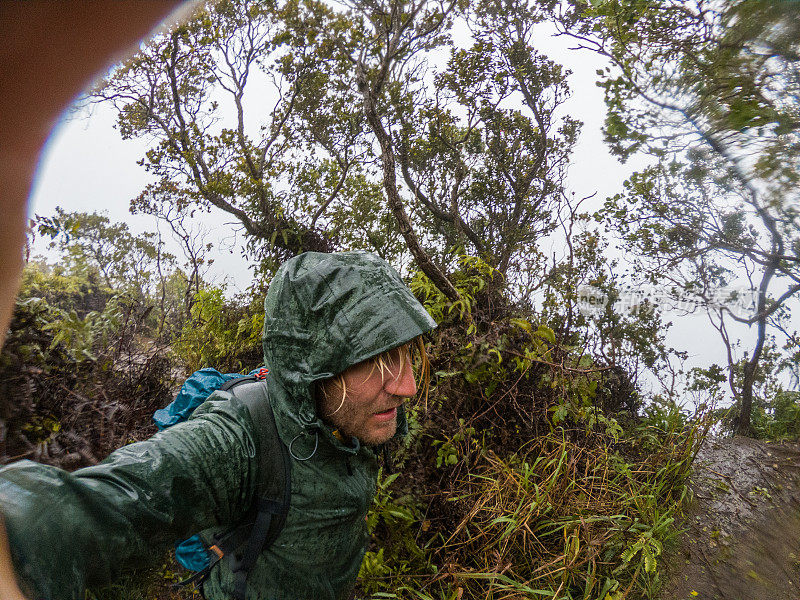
[69,530]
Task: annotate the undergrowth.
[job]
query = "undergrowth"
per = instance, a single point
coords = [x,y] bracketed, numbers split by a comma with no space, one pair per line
[534,473]
[778,419]
[76,387]
[553,519]
[149,584]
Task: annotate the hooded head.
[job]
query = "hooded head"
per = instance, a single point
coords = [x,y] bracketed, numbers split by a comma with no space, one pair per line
[325,313]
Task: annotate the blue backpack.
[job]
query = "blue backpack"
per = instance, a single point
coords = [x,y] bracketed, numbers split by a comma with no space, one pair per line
[244,541]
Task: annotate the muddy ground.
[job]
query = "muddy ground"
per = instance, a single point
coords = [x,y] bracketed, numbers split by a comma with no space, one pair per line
[743,528]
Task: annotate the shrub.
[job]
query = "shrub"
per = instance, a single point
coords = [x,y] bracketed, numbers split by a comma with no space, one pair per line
[552,519]
[76,387]
[224,334]
[519,480]
[778,419]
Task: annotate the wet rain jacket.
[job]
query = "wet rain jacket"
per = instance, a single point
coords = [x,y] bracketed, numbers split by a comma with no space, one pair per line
[324,312]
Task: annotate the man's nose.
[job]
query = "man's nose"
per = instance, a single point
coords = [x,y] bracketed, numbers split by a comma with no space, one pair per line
[403,385]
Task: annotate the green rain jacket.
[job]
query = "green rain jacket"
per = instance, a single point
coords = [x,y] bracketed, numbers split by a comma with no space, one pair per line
[324,312]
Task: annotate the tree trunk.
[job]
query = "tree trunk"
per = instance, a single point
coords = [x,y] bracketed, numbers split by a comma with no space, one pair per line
[425,263]
[743,423]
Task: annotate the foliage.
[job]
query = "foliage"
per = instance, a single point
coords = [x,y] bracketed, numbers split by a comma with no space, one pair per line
[621,334]
[529,484]
[92,244]
[471,279]
[531,472]
[481,154]
[107,259]
[551,519]
[62,288]
[171,93]
[482,151]
[780,418]
[775,408]
[222,334]
[724,72]
[503,343]
[399,554]
[146,584]
[85,363]
[709,89]
[76,383]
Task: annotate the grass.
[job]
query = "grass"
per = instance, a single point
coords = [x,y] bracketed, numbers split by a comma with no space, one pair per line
[554,519]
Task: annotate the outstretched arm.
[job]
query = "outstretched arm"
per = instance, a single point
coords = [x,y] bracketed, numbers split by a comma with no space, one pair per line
[73,530]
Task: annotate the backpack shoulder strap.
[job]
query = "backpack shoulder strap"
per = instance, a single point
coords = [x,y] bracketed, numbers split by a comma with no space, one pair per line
[274,465]
[273,489]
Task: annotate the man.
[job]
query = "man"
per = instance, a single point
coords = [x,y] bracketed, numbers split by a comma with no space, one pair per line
[336,337]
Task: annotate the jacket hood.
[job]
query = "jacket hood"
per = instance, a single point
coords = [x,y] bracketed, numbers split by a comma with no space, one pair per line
[324,313]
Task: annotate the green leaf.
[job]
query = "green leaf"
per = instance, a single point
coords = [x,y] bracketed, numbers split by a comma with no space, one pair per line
[546,333]
[522,324]
[649,562]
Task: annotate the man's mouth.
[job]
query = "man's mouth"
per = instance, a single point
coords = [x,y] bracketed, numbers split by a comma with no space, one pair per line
[386,414]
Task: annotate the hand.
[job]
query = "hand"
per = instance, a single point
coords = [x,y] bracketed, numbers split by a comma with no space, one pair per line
[8,581]
[49,52]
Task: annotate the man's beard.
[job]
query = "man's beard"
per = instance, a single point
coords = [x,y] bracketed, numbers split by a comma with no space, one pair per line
[356,421]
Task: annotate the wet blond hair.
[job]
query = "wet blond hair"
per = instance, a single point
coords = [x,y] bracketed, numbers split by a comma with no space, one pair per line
[384,362]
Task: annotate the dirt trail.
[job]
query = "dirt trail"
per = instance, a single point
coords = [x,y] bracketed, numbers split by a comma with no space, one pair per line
[743,538]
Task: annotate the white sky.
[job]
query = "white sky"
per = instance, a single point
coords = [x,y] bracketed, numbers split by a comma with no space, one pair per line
[88,167]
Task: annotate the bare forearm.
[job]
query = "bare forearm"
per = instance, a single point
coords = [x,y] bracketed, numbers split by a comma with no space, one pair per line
[8,581]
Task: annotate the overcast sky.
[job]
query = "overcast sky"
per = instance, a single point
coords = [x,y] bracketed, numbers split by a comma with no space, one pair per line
[88,167]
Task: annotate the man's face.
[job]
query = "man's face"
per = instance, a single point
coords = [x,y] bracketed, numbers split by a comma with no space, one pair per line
[369,409]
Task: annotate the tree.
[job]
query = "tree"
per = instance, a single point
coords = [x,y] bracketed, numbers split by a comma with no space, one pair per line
[242,162]
[90,241]
[114,262]
[477,146]
[711,90]
[470,155]
[397,26]
[168,204]
[628,340]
